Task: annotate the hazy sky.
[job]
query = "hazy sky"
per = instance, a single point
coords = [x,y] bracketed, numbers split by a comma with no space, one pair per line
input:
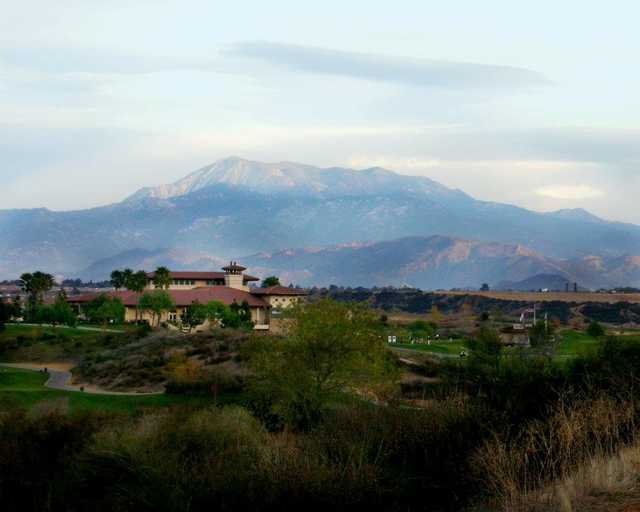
[536,103]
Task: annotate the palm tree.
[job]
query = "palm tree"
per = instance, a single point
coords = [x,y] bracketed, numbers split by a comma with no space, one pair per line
[137,282]
[36,285]
[162,278]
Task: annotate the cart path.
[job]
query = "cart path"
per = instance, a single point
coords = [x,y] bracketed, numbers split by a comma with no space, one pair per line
[60,378]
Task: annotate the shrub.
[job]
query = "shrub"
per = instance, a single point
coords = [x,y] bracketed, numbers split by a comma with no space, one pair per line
[614,367]
[209,383]
[35,453]
[595,330]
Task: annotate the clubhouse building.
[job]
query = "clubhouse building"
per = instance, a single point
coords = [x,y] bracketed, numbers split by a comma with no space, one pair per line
[229,286]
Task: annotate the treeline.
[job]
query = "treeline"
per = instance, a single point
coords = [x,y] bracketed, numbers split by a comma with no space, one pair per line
[412,300]
[35,287]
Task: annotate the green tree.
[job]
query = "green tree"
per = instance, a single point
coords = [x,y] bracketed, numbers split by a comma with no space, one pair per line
[242,314]
[270,281]
[118,279]
[595,330]
[127,276]
[328,348]
[486,347]
[35,286]
[541,334]
[105,309]
[217,312]
[62,312]
[162,278]
[421,329]
[195,314]
[228,316]
[16,307]
[156,302]
[43,314]
[136,282]
[5,314]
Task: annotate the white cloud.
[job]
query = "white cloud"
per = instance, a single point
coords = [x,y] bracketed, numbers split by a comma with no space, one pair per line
[570,192]
[385,68]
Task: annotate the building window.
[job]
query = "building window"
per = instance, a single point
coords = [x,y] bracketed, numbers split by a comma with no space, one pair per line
[184,282]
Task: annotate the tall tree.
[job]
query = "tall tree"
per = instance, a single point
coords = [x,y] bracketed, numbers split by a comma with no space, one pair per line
[5,313]
[16,307]
[127,276]
[162,278]
[270,281]
[156,302]
[136,282]
[36,285]
[105,309]
[328,348]
[194,315]
[62,312]
[118,279]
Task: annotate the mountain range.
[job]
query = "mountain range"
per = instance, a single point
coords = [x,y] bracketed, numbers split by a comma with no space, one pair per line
[369,226]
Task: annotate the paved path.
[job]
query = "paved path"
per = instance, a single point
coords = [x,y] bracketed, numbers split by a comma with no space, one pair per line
[80,327]
[60,379]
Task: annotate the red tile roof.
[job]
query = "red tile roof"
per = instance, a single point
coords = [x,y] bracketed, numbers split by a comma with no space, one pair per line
[188,274]
[183,298]
[278,290]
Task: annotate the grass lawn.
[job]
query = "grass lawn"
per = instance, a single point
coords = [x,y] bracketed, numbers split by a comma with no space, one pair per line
[25,389]
[443,347]
[575,343]
[571,344]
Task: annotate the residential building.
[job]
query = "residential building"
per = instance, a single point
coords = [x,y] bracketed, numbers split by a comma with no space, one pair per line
[228,287]
[232,277]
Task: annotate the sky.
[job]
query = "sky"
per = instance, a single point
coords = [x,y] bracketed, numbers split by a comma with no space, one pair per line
[534,104]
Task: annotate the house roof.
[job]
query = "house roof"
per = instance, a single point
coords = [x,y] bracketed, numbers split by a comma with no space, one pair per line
[278,290]
[183,298]
[188,274]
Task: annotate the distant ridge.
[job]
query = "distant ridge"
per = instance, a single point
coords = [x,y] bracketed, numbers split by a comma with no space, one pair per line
[236,207]
[551,282]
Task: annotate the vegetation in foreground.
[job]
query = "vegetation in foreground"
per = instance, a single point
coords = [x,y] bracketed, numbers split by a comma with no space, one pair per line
[319,423]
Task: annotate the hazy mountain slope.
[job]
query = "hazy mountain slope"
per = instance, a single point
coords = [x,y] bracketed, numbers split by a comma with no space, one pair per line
[423,262]
[143,259]
[237,207]
[553,282]
[427,262]
[442,262]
